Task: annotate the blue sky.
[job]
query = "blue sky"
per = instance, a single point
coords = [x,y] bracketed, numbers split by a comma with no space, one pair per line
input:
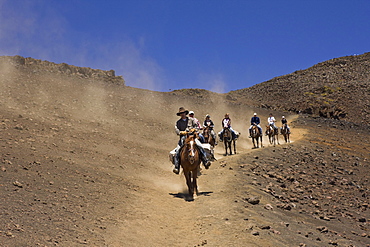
[164,45]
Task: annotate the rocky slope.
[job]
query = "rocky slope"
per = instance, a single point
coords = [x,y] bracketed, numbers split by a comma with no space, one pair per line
[338,88]
[40,67]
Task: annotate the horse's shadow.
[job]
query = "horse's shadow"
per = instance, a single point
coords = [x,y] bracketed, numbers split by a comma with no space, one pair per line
[189,198]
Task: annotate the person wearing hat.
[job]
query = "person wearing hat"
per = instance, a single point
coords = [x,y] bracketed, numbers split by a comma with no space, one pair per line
[209,123]
[284,121]
[255,121]
[200,127]
[226,123]
[182,126]
[271,121]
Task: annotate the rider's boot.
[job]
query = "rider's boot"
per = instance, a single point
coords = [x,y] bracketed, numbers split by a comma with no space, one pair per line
[206,162]
[250,133]
[220,136]
[204,159]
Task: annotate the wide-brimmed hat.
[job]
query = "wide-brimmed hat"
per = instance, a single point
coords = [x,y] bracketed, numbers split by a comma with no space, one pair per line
[208,115]
[182,110]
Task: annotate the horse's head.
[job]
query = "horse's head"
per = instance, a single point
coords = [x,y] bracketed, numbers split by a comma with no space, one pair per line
[227,134]
[255,129]
[206,132]
[190,147]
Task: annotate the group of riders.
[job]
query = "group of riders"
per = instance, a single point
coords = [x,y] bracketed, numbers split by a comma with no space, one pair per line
[187,123]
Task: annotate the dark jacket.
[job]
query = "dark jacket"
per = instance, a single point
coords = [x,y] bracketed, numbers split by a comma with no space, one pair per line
[211,125]
[255,120]
[185,125]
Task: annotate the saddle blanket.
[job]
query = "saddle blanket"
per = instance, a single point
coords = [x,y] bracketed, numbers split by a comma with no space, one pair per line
[206,146]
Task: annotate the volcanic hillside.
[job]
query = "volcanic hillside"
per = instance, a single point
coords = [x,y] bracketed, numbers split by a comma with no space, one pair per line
[84,162]
[338,88]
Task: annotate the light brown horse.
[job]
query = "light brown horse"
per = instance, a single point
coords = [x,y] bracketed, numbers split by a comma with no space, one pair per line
[228,139]
[273,134]
[256,135]
[208,138]
[190,162]
[285,132]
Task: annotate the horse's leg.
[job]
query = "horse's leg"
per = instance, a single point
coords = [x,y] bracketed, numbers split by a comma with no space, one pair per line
[234,142]
[188,183]
[261,141]
[195,186]
[225,147]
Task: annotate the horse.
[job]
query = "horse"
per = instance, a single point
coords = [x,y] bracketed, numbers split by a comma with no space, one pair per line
[255,134]
[190,162]
[272,134]
[208,138]
[228,139]
[285,132]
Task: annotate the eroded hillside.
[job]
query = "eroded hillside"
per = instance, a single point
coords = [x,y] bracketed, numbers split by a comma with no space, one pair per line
[338,88]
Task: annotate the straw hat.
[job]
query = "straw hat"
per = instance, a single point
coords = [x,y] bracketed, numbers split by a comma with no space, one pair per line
[182,110]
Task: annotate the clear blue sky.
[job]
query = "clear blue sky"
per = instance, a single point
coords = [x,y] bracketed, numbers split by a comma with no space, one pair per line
[171,44]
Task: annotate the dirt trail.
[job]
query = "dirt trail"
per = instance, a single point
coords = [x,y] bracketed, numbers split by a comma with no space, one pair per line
[163,216]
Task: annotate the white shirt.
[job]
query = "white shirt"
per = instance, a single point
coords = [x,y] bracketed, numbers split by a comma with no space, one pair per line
[271,120]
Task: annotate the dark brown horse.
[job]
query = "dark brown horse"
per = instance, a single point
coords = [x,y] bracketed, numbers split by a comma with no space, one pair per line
[273,134]
[285,132]
[228,140]
[208,138]
[256,136]
[190,162]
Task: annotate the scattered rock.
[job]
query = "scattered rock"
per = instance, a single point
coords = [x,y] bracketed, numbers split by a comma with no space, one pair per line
[268,207]
[254,200]
[18,184]
[362,219]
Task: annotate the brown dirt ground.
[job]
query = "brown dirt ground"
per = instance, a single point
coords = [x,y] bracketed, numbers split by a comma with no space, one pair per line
[84,163]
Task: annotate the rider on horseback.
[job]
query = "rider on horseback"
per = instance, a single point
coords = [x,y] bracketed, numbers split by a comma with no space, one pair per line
[285,122]
[209,123]
[199,126]
[183,125]
[226,123]
[271,121]
[255,121]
